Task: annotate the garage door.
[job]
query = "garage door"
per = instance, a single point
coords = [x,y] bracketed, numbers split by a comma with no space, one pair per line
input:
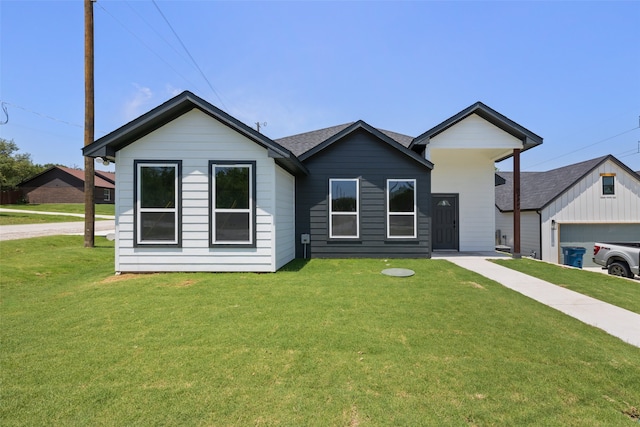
[585,235]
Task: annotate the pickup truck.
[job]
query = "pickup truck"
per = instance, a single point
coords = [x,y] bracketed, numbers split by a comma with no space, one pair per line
[620,259]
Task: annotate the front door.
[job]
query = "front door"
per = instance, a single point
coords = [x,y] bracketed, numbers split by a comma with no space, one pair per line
[444,221]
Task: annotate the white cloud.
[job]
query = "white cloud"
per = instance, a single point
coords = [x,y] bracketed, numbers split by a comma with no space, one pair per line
[171,90]
[138,102]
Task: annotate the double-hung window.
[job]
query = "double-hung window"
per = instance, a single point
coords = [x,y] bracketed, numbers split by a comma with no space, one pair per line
[157,201]
[401,208]
[608,184]
[344,208]
[233,216]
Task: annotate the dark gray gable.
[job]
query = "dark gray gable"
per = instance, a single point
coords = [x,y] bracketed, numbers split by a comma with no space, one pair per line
[304,142]
[108,145]
[528,138]
[539,189]
[311,143]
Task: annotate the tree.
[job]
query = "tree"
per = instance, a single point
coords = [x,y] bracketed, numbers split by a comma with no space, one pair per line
[15,167]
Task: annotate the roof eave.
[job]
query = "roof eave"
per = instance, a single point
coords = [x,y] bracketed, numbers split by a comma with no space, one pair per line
[360,124]
[108,145]
[528,138]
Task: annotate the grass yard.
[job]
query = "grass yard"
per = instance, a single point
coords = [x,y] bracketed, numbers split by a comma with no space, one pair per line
[19,218]
[323,343]
[101,209]
[614,290]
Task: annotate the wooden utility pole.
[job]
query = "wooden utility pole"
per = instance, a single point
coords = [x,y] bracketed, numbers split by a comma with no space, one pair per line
[89,168]
[516,203]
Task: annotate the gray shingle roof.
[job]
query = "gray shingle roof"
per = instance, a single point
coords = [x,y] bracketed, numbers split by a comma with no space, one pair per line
[538,189]
[304,142]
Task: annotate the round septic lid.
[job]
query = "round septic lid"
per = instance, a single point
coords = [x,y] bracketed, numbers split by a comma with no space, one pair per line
[398,272]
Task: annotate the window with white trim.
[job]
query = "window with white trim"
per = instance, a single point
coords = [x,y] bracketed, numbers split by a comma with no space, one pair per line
[157,201]
[106,194]
[608,184]
[344,218]
[401,208]
[233,217]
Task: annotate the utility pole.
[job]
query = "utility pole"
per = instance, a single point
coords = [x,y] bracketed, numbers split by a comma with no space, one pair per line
[89,168]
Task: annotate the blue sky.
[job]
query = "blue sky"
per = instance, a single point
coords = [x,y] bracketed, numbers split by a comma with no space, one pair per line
[568,71]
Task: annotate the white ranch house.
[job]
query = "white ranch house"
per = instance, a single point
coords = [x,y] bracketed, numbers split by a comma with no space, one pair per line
[197,190]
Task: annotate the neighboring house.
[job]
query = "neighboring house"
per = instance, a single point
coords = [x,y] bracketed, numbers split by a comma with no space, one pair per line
[197,190]
[59,184]
[575,205]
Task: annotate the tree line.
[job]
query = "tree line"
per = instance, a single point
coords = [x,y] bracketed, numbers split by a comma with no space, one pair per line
[15,167]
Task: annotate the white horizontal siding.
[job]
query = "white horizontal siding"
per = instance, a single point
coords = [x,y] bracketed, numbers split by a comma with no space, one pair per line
[285,217]
[529,231]
[195,138]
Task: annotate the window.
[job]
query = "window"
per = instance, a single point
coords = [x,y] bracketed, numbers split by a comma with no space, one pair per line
[107,195]
[401,208]
[608,184]
[157,190]
[343,208]
[232,201]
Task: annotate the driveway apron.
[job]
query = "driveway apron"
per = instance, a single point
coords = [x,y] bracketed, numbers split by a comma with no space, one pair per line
[616,321]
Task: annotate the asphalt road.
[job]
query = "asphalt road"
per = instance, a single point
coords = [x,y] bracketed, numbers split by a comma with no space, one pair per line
[25,231]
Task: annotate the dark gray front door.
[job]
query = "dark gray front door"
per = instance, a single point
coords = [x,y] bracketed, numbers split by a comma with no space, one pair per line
[445,221]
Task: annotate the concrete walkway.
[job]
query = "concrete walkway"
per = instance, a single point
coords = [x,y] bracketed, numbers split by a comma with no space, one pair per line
[616,321]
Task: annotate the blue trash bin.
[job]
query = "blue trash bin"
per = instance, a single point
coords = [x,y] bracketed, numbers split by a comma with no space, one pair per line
[573,255]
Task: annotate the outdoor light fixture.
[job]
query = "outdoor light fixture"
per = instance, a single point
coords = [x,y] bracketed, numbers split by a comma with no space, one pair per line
[553,224]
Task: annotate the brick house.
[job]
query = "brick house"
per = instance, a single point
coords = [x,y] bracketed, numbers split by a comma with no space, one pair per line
[60,184]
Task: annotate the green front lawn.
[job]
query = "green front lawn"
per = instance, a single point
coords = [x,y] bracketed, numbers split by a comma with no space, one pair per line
[328,342]
[614,290]
[18,218]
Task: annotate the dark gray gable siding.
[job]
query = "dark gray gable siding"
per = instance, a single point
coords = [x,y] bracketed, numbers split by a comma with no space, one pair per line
[304,142]
[361,155]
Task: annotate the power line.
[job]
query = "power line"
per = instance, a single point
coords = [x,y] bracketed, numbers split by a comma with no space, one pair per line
[188,53]
[155,31]
[585,147]
[44,116]
[145,45]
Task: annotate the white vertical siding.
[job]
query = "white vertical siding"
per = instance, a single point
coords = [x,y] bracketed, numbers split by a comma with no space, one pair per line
[584,203]
[285,217]
[470,175]
[195,138]
[463,158]
[474,132]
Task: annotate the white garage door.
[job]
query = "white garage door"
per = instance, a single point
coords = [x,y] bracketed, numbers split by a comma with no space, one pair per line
[585,235]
